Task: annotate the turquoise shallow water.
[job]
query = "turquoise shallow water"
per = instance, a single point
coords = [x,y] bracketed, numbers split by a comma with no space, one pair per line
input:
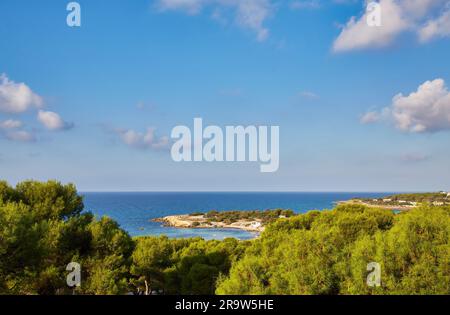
[134,211]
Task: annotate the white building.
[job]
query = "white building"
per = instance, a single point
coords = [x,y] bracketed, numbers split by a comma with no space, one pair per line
[255,225]
[446,193]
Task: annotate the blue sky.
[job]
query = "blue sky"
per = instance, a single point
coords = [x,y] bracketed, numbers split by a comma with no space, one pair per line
[68,95]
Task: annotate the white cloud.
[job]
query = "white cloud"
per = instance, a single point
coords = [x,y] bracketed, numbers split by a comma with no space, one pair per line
[147,140]
[252,14]
[425,110]
[17,97]
[188,6]
[20,136]
[10,124]
[370,118]
[439,27]
[397,17]
[419,8]
[10,129]
[52,121]
[357,34]
[249,14]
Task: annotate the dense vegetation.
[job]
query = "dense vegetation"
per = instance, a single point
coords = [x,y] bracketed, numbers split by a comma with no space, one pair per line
[327,252]
[43,228]
[266,216]
[416,197]
[182,266]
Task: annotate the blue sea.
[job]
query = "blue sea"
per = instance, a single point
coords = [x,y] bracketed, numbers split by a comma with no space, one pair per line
[134,211]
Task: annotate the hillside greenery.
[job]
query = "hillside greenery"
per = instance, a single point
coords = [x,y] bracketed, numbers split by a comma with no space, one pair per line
[265,216]
[43,227]
[417,197]
[327,252]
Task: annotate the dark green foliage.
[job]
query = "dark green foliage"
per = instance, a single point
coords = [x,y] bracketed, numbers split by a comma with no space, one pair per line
[43,228]
[413,197]
[190,266]
[327,253]
[265,216]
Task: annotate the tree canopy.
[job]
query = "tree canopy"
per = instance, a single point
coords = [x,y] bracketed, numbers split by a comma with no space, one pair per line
[328,252]
[43,227]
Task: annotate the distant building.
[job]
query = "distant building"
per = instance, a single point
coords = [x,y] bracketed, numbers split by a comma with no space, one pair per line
[255,225]
[387,200]
[438,203]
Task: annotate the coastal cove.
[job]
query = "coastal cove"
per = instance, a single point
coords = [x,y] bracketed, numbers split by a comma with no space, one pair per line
[134,211]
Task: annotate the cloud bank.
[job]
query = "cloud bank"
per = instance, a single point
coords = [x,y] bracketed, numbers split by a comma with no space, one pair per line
[370,118]
[10,129]
[429,19]
[427,110]
[17,97]
[52,121]
[139,140]
[440,27]
[248,14]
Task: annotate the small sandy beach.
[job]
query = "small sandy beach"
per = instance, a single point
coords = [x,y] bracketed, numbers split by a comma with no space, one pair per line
[200,222]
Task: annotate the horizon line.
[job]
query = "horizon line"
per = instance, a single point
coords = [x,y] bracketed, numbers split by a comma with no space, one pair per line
[251,191]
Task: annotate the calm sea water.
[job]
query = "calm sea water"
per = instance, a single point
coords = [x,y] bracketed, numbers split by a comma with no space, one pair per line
[134,211]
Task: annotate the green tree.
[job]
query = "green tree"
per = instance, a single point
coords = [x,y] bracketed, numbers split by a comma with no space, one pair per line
[42,229]
[328,252]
